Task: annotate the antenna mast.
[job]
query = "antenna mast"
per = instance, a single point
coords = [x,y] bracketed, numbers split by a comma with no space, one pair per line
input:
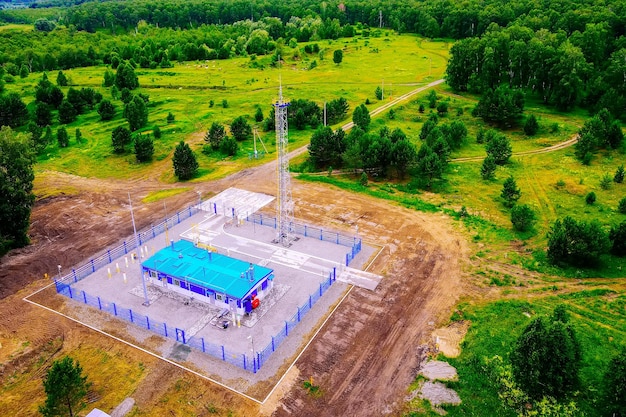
[284,205]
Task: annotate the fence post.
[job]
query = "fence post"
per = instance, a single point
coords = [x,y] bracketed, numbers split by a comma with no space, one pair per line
[178,217]
[202,338]
[334,273]
[298,314]
[189,211]
[321,290]
[165,328]
[130,312]
[223,351]
[125,250]
[261,219]
[244,362]
[153,235]
[85,297]
[70,290]
[74,273]
[214,208]
[99,304]
[275,224]
[286,329]
[93,266]
[347,260]
[273,347]
[109,253]
[321,234]
[148,322]
[114,309]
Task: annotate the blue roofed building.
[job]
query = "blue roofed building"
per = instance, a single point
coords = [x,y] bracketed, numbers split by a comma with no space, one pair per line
[207,276]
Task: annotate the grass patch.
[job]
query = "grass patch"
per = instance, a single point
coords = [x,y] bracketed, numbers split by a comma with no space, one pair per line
[161,194]
[597,315]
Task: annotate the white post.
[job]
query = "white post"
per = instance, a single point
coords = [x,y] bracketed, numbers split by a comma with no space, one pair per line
[143,280]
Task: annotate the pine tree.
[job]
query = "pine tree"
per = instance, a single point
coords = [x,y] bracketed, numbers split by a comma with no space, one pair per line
[62,137]
[215,135]
[120,138]
[531,127]
[488,169]
[61,79]
[144,148]
[619,175]
[66,389]
[510,192]
[184,161]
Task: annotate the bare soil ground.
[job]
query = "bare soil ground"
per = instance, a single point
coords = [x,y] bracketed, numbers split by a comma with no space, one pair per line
[363,359]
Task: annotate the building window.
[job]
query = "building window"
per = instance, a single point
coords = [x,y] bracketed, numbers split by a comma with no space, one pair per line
[177,282]
[153,274]
[219,297]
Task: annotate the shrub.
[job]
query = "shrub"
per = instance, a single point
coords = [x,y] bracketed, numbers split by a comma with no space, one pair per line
[225,103]
[510,193]
[619,175]
[591,198]
[229,146]
[363,180]
[621,206]
[156,131]
[576,243]
[488,169]
[531,127]
[606,182]
[170,118]
[522,217]
[617,235]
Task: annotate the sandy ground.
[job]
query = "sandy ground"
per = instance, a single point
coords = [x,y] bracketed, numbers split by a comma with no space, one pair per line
[363,359]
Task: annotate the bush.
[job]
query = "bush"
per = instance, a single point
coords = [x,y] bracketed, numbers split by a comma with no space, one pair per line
[531,127]
[63,138]
[499,147]
[522,217]
[591,198]
[606,182]
[106,110]
[240,129]
[225,103]
[488,169]
[156,131]
[144,148]
[184,161]
[170,118]
[510,193]
[363,180]
[229,146]
[621,206]
[120,137]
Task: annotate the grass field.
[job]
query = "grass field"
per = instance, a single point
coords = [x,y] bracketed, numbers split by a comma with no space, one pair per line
[187,89]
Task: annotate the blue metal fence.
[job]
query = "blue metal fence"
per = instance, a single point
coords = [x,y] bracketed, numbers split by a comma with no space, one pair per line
[199,343]
[353,242]
[254,363]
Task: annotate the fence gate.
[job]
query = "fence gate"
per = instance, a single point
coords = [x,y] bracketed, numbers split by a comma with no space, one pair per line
[180,335]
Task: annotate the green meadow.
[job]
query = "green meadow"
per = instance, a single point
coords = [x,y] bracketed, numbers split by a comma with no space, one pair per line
[245,83]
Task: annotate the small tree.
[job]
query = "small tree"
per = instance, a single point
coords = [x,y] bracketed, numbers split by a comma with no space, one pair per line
[61,79]
[258,116]
[619,175]
[522,217]
[421,108]
[480,135]
[109,78]
[24,71]
[363,180]
[621,206]
[378,93]
[43,114]
[66,389]
[499,147]
[215,135]
[338,56]
[144,148]
[591,198]
[156,131]
[229,146]
[78,136]
[67,112]
[361,117]
[240,129]
[442,108]
[125,77]
[531,127]
[615,385]
[510,193]
[106,110]
[62,137]
[136,112]
[606,182]
[225,103]
[184,161]
[170,118]
[546,357]
[488,169]
[120,138]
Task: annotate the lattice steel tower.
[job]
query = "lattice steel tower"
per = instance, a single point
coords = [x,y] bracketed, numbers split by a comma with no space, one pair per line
[284,205]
